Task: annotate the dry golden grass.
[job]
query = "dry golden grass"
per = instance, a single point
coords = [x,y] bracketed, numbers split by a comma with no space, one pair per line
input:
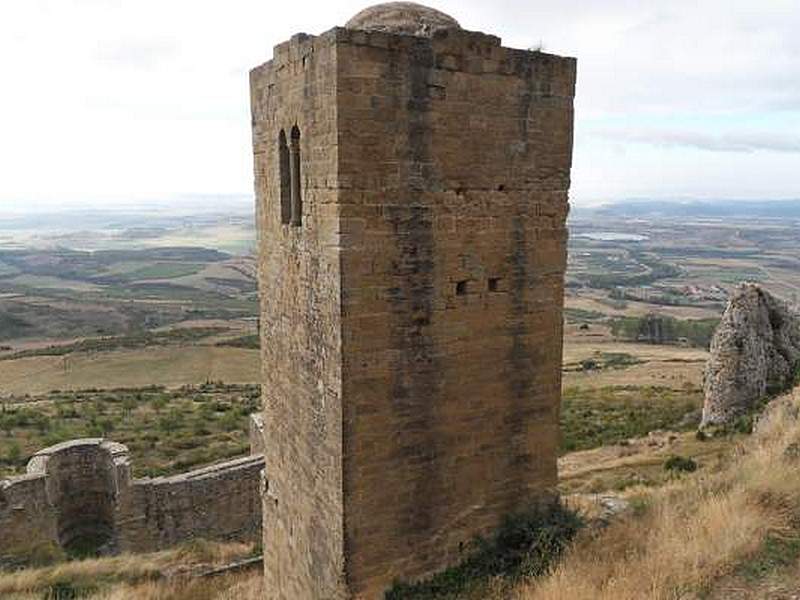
[667,365]
[171,366]
[691,532]
[235,587]
[141,572]
[617,467]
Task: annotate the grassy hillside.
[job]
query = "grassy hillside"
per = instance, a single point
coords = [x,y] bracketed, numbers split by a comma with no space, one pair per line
[731,529]
[155,576]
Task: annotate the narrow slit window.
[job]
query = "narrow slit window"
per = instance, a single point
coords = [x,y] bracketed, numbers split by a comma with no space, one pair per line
[285,178]
[461,288]
[297,192]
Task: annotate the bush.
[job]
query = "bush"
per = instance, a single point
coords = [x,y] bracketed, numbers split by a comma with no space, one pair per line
[14,453]
[680,464]
[68,590]
[743,424]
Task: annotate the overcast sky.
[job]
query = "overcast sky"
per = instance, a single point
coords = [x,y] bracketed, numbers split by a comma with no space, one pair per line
[106,101]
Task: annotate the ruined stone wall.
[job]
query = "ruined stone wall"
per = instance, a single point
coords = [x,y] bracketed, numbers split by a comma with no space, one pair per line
[81,493]
[456,154]
[28,523]
[299,278]
[220,502]
[82,480]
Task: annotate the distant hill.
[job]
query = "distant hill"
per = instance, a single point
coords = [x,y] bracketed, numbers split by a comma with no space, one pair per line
[778,209]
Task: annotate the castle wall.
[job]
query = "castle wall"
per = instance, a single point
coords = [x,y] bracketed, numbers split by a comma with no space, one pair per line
[27,519]
[300,324]
[220,502]
[456,155]
[81,492]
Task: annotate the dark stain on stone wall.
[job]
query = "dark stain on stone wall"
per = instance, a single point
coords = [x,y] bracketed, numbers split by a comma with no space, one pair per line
[415,375]
[521,377]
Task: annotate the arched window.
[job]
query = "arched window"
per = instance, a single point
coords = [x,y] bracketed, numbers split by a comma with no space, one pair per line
[285,178]
[297,192]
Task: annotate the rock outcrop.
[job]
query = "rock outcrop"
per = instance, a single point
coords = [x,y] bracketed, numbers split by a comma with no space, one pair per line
[755,352]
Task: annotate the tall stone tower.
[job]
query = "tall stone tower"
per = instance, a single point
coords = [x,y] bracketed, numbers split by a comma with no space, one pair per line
[411,181]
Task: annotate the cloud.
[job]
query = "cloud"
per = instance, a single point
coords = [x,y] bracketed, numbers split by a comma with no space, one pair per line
[150,97]
[748,142]
[140,54]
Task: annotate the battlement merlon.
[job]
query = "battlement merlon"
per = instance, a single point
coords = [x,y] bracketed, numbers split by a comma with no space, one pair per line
[351,82]
[456,50]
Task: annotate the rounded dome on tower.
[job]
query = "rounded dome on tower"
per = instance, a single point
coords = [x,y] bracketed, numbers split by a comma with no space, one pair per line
[404,18]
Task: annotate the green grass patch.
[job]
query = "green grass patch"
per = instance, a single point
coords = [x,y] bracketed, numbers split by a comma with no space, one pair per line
[776,553]
[661,329]
[592,417]
[167,431]
[12,325]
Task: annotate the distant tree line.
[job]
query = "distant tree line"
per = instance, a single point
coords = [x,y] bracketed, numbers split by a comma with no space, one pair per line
[657,329]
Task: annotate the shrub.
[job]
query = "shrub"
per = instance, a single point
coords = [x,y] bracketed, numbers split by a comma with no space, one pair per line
[171,421]
[680,464]
[67,590]
[743,424]
[14,453]
[589,365]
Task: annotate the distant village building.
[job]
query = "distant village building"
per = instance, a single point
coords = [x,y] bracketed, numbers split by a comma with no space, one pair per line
[411,183]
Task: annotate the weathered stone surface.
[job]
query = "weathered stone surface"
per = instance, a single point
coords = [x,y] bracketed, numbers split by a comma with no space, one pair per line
[755,351]
[257,433]
[412,321]
[82,490]
[406,18]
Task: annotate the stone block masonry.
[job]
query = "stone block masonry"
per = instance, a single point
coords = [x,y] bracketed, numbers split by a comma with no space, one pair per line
[412,332]
[81,494]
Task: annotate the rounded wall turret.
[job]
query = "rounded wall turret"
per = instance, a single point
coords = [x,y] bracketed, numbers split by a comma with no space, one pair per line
[83,481]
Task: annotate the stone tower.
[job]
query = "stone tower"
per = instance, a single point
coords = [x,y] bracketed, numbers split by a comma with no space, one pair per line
[411,183]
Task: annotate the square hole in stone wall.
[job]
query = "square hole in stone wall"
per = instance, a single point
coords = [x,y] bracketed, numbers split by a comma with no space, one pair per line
[494,284]
[461,288]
